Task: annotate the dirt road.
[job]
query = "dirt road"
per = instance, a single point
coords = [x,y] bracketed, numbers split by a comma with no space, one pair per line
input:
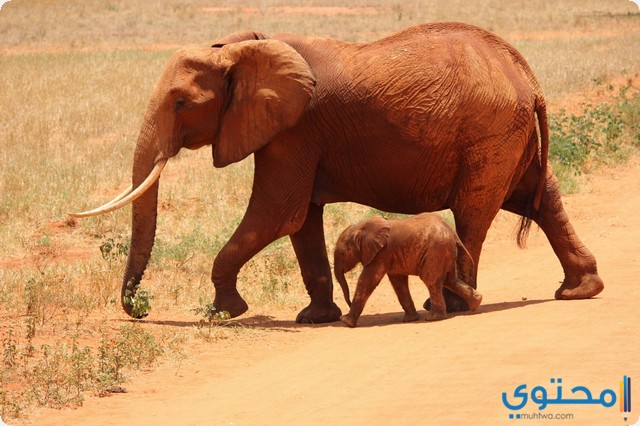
[444,373]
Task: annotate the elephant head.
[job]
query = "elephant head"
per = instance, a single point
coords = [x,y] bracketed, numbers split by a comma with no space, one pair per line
[359,243]
[235,97]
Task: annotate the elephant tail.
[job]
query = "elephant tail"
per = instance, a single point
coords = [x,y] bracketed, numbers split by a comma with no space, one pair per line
[541,112]
[525,221]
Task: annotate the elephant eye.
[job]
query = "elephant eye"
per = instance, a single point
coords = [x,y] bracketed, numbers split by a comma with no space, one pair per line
[180,103]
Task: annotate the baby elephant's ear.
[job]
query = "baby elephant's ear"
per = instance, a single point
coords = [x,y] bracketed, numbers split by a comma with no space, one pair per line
[374,236]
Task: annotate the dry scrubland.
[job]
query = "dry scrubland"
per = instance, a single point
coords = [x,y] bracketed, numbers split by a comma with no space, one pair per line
[76,77]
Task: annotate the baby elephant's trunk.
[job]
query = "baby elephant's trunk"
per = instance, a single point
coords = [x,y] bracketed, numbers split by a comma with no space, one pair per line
[339,272]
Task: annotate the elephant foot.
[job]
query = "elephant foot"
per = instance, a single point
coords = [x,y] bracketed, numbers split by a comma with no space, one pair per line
[230,301]
[582,287]
[435,316]
[349,320]
[411,317]
[319,314]
[454,302]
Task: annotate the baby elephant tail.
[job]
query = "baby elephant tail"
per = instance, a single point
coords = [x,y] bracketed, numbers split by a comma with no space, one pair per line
[466,267]
[465,281]
[464,285]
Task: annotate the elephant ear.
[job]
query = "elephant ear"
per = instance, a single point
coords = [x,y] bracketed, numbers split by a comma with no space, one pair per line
[270,85]
[373,236]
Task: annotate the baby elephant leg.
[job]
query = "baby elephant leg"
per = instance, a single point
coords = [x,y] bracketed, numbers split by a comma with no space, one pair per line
[367,282]
[400,285]
[438,309]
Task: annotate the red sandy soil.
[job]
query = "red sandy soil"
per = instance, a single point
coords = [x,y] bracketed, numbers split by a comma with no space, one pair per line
[444,373]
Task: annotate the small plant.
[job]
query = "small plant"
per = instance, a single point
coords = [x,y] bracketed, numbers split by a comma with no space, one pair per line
[144,348]
[11,403]
[30,327]
[210,313]
[114,249]
[3,395]
[10,349]
[42,300]
[109,366]
[58,378]
[630,110]
[82,369]
[140,302]
[174,344]
[132,347]
[211,316]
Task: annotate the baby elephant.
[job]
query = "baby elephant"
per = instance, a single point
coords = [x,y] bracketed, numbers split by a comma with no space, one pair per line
[422,245]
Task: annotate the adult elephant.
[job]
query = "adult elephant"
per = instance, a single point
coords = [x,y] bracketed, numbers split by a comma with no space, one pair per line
[437,116]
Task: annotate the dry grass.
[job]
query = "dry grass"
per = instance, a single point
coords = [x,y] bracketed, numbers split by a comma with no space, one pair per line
[76,77]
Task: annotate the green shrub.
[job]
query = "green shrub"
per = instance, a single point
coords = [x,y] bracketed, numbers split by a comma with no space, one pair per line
[598,134]
[60,374]
[114,249]
[140,302]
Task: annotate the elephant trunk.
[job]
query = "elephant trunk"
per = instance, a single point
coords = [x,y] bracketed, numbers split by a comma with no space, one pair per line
[339,272]
[144,212]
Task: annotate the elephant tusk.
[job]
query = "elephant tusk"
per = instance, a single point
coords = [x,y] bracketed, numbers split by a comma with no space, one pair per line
[127,196]
[120,196]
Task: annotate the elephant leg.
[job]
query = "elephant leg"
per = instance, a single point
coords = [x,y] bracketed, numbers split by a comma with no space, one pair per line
[254,233]
[242,246]
[581,279]
[367,282]
[400,285]
[278,207]
[311,251]
[438,309]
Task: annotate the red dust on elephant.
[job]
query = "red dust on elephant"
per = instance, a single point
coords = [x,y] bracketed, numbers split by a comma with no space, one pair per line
[422,245]
[437,116]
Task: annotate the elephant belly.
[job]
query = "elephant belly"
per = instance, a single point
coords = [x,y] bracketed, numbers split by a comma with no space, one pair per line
[387,182]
